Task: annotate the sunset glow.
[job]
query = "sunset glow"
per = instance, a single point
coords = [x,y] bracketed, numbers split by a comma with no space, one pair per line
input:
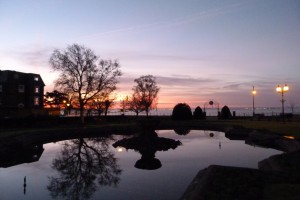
[197,50]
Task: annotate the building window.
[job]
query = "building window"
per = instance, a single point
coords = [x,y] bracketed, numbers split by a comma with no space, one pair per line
[36,78]
[36,101]
[21,88]
[16,76]
[36,89]
[0,101]
[0,88]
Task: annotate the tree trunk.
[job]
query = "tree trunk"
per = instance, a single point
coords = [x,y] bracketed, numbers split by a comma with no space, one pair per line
[82,113]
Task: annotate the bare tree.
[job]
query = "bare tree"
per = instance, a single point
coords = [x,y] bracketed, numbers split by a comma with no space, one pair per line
[83,74]
[134,104]
[146,92]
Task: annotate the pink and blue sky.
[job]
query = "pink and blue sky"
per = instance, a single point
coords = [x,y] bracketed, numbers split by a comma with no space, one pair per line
[199,50]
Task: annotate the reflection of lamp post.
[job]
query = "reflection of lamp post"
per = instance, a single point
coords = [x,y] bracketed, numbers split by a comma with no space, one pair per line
[253,94]
[282,90]
[68,108]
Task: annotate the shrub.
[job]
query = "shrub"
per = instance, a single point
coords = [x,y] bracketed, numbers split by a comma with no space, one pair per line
[225,113]
[182,111]
[198,113]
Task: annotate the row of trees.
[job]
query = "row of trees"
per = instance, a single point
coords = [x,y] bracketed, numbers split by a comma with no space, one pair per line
[85,80]
[183,111]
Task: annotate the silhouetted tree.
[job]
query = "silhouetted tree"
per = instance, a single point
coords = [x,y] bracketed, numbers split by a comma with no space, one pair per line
[81,163]
[182,111]
[225,113]
[55,98]
[134,104]
[83,74]
[198,113]
[146,92]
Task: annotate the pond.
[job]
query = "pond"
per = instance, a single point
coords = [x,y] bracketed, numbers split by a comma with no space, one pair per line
[156,165]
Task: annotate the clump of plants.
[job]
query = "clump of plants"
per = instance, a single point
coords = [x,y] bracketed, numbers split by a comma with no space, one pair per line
[198,113]
[225,113]
[182,111]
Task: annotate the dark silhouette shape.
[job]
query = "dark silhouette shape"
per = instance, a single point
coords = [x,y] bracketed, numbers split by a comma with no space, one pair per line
[81,163]
[225,113]
[24,185]
[182,111]
[145,93]
[14,152]
[134,104]
[55,99]
[85,78]
[147,144]
[182,131]
[198,113]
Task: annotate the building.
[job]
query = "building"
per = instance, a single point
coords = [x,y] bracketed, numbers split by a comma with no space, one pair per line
[20,92]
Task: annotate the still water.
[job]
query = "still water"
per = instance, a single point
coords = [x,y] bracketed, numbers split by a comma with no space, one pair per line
[100,168]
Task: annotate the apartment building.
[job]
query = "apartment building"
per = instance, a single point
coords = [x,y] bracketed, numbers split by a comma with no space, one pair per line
[20,91]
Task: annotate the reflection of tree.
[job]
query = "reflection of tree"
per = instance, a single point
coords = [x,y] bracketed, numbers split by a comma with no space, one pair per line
[80,164]
[147,144]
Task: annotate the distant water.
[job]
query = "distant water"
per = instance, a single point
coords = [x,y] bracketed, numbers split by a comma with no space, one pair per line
[267,111]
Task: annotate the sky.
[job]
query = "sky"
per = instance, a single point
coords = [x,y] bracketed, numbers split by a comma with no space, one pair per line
[198,50]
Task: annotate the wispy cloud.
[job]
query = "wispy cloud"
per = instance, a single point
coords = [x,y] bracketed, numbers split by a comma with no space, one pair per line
[32,56]
[188,19]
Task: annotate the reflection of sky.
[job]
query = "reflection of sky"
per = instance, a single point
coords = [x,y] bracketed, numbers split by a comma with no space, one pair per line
[179,167]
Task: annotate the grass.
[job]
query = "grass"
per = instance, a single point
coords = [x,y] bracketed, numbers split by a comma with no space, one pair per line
[288,128]
[283,128]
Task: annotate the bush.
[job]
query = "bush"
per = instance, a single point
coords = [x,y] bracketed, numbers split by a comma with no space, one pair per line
[225,113]
[182,111]
[198,113]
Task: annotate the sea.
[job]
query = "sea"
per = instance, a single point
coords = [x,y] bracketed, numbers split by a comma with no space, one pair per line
[239,111]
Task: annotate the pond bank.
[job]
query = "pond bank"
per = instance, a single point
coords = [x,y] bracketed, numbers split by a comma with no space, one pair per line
[228,183]
[277,177]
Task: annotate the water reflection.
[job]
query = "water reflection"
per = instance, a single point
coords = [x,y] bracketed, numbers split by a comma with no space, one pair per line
[16,152]
[147,144]
[182,131]
[82,165]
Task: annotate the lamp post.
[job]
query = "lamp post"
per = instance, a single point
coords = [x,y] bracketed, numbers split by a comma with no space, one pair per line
[281,90]
[253,94]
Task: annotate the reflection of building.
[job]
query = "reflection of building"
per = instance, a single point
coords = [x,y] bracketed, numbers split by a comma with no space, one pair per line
[15,154]
[20,91]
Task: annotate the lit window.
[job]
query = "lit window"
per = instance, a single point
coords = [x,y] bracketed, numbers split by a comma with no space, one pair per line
[36,78]
[36,101]
[36,89]
[21,88]
[0,88]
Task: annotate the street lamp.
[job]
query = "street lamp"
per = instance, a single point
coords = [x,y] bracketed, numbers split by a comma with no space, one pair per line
[253,94]
[282,90]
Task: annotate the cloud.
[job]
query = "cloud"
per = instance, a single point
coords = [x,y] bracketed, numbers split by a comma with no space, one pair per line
[32,56]
[180,80]
[194,17]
